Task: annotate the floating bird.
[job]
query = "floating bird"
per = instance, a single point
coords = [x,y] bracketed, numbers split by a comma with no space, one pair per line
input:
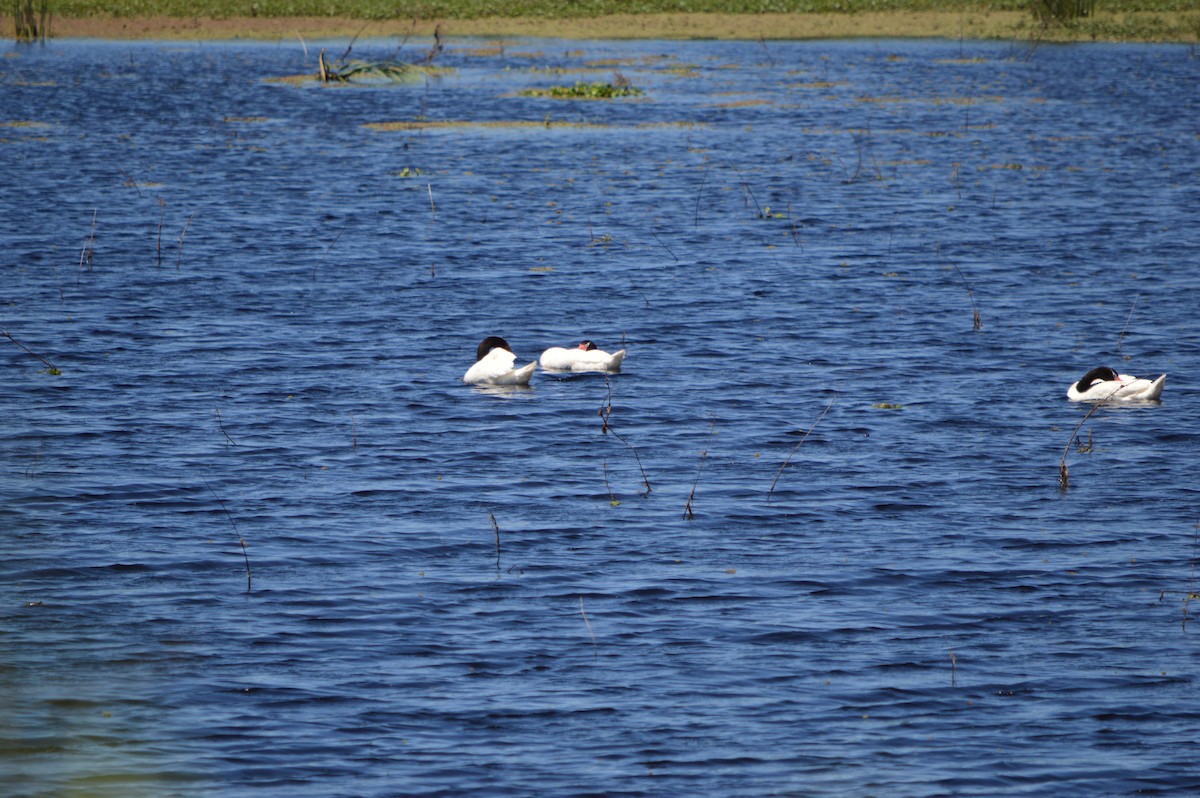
[494,365]
[1105,383]
[585,357]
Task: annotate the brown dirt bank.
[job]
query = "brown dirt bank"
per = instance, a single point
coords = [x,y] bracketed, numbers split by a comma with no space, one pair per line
[950,25]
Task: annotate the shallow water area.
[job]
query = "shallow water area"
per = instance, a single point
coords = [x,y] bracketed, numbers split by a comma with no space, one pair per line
[810,540]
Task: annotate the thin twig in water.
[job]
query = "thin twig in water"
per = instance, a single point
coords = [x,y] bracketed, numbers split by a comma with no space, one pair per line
[664,246]
[788,459]
[688,515]
[432,208]
[749,194]
[10,337]
[1121,337]
[970,295]
[241,540]
[605,412]
[953,667]
[588,624]
[221,424]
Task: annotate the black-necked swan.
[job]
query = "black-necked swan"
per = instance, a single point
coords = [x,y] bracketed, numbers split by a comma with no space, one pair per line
[1104,383]
[585,357]
[494,361]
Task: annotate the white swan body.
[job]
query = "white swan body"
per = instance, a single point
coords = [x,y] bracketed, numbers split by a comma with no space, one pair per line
[495,365]
[585,357]
[1104,383]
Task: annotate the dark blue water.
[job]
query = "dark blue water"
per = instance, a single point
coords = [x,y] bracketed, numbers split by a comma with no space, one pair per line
[459,592]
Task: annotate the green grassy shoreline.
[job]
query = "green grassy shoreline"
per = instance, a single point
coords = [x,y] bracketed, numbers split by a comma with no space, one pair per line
[1113,20]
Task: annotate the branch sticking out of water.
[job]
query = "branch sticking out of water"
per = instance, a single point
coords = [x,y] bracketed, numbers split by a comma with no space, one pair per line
[796,448]
[241,540]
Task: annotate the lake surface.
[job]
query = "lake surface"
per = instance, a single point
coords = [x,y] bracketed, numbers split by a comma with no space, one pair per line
[811,540]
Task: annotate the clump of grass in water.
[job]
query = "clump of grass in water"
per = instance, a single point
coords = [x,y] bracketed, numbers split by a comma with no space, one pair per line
[585,91]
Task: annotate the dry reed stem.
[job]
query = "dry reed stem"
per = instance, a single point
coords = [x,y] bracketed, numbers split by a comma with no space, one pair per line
[795,448]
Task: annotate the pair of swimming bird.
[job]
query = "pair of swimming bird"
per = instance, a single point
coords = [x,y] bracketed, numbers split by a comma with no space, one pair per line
[495,363]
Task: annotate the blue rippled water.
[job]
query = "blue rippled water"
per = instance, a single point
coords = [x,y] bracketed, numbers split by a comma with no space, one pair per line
[821,548]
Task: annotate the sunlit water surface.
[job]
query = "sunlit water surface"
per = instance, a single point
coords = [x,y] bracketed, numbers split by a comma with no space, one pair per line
[819,546]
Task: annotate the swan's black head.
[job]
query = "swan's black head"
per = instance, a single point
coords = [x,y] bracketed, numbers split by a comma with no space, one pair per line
[586,346]
[1098,374]
[488,344]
